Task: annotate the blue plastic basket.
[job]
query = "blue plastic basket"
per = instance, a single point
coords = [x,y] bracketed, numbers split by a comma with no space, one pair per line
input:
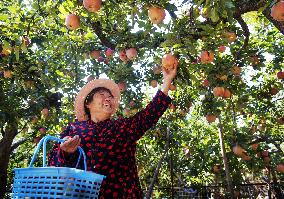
[55,182]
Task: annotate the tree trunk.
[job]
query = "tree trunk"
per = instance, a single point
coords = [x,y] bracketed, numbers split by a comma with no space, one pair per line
[165,154]
[276,186]
[230,188]
[172,174]
[269,181]
[5,151]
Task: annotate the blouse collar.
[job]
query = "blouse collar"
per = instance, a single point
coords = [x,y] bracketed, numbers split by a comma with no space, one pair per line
[97,123]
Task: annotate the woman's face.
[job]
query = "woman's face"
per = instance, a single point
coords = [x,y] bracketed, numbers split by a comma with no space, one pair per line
[102,105]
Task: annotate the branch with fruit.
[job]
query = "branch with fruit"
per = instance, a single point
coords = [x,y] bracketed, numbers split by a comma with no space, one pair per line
[275,15]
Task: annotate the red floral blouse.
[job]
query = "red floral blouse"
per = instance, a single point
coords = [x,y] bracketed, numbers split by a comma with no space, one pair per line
[110,147]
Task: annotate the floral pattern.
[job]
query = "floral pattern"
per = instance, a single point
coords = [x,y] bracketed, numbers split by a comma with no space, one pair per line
[110,147]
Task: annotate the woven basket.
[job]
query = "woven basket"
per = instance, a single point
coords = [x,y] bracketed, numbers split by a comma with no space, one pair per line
[55,182]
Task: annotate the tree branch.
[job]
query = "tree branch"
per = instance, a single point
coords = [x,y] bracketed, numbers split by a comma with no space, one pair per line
[255,5]
[106,42]
[281,98]
[25,125]
[2,131]
[15,145]
[277,147]
[248,6]
[97,27]
[246,33]
[172,14]
[29,24]
[265,139]
[277,24]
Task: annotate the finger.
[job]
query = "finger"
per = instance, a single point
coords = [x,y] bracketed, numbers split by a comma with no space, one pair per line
[76,138]
[68,141]
[165,71]
[79,142]
[74,143]
[176,67]
[67,138]
[69,147]
[64,145]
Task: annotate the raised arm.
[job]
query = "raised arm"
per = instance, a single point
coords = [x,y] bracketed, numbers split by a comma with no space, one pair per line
[134,127]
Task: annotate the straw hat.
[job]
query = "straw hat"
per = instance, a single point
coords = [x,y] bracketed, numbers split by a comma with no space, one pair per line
[83,93]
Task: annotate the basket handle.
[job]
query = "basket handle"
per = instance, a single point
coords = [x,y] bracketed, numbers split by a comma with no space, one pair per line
[43,142]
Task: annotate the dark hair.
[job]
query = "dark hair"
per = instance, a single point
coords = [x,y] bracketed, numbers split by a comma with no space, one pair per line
[89,98]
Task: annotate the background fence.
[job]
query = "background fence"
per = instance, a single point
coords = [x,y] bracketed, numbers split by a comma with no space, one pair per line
[249,191]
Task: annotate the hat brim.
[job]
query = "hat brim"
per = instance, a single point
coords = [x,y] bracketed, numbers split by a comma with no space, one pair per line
[83,93]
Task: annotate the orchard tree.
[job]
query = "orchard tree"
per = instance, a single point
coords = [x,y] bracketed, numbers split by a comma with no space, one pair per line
[227,115]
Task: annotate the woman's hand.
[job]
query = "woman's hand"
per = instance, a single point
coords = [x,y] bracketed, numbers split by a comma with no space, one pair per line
[71,144]
[168,76]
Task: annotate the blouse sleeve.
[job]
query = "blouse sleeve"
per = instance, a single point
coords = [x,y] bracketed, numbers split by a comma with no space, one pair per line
[57,157]
[136,126]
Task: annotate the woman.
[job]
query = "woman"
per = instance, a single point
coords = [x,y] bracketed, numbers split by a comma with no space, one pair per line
[110,145]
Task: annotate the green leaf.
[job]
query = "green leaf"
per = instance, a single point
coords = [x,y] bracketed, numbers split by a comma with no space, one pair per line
[24,48]
[170,7]
[12,9]
[177,45]
[200,2]
[214,16]
[33,68]
[4,17]
[224,13]
[70,3]
[261,9]
[6,44]
[229,4]
[62,9]
[89,35]
[59,73]
[17,53]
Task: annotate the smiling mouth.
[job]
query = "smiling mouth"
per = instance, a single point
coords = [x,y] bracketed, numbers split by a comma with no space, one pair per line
[107,105]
